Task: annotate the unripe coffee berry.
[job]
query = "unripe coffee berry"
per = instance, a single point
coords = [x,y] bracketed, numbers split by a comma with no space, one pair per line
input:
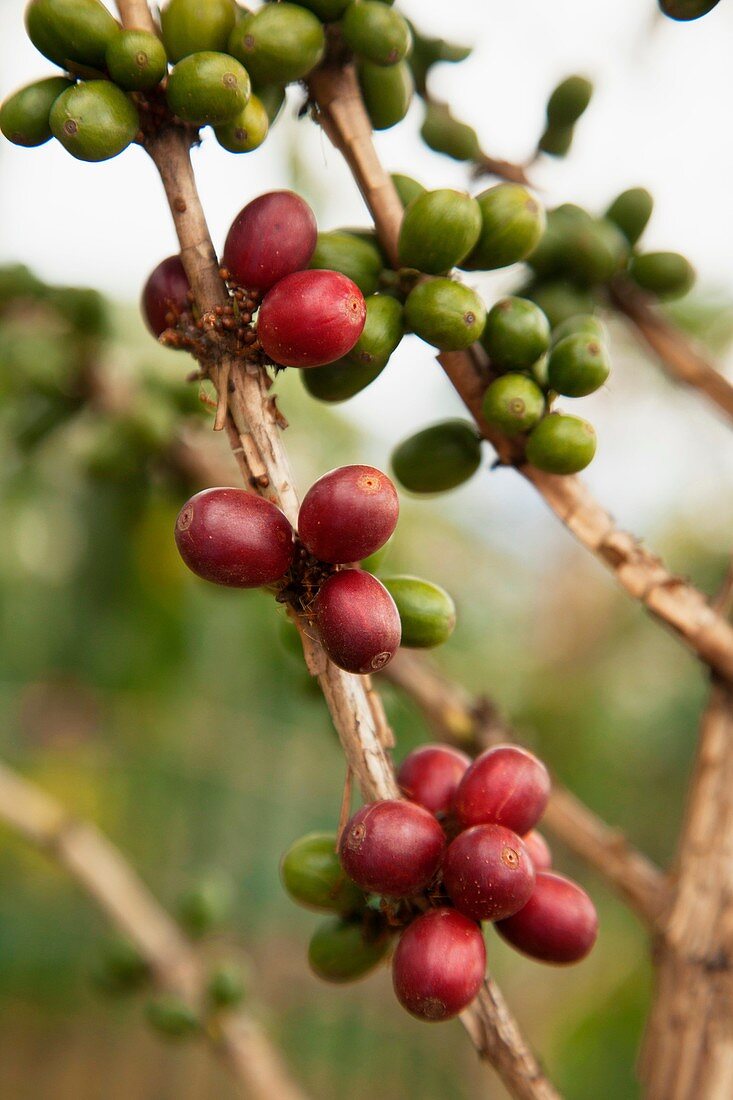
[231,537]
[392,848]
[559,923]
[488,873]
[439,965]
[136,60]
[666,274]
[348,514]
[569,100]
[512,222]
[313,876]
[165,295]
[438,458]
[447,315]
[208,88]
[506,786]
[561,444]
[585,324]
[247,130]
[94,120]
[357,258]
[439,229]
[376,32]
[427,612]
[344,951]
[279,43]
[514,404]
[516,334]
[430,775]
[271,237]
[24,116]
[578,365]
[310,318]
[71,30]
[387,92]
[357,620]
[631,211]
[189,26]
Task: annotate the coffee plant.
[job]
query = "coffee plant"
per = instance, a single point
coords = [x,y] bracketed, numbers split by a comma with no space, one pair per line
[448,843]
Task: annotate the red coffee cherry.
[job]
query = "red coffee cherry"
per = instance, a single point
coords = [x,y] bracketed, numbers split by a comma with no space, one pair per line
[273,236]
[392,847]
[311,318]
[358,621]
[348,514]
[430,775]
[488,873]
[165,295]
[539,850]
[505,785]
[559,923]
[231,537]
[439,965]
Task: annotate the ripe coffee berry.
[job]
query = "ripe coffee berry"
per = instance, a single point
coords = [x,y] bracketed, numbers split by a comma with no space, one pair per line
[439,965]
[358,621]
[430,775]
[558,924]
[506,786]
[539,850]
[273,236]
[165,295]
[311,318]
[348,514]
[488,873]
[392,847]
[231,537]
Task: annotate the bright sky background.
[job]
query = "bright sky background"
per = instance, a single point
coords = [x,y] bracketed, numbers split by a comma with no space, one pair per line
[660,118]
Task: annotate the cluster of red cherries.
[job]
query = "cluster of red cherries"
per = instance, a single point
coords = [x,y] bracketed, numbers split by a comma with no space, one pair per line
[233,538]
[463,840]
[306,318]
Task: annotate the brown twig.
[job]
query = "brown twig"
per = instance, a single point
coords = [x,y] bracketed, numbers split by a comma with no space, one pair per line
[675,351]
[475,725]
[670,599]
[102,871]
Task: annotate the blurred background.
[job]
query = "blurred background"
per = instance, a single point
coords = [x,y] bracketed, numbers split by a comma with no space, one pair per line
[170,714]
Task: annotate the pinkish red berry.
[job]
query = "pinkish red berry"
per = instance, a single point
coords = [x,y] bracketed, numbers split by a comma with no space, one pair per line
[539,850]
[231,537]
[488,873]
[348,514]
[392,847]
[505,785]
[311,318]
[273,236]
[559,923]
[430,775]
[358,621]
[439,965]
[165,295]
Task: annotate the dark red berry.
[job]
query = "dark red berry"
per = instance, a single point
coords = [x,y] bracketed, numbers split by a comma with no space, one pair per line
[505,785]
[165,295]
[488,873]
[430,775]
[539,850]
[231,537]
[348,514]
[392,847]
[559,923]
[439,965]
[311,318]
[270,238]
[358,621]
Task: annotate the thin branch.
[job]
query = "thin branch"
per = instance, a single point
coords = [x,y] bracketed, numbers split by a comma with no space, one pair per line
[675,351]
[474,725]
[101,870]
[670,599]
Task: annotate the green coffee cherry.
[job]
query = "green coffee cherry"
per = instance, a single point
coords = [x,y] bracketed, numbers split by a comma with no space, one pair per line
[272,97]
[584,323]
[630,212]
[172,1018]
[375,561]
[438,458]
[512,222]
[227,986]
[407,188]
[95,120]
[561,444]
[376,32]
[568,101]
[559,300]
[444,134]
[538,372]
[205,906]
[121,968]
[550,256]
[71,31]
[188,26]
[208,88]
[341,380]
[447,315]
[387,92]
[312,875]
[666,274]
[595,251]
[513,404]
[438,230]
[578,365]
[328,11]
[427,52]
[279,43]
[557,140]
[24,114]
[360,260]
[517,333]
[247,131]
[427,612]
[341,951]
[684,10]
[136,60]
